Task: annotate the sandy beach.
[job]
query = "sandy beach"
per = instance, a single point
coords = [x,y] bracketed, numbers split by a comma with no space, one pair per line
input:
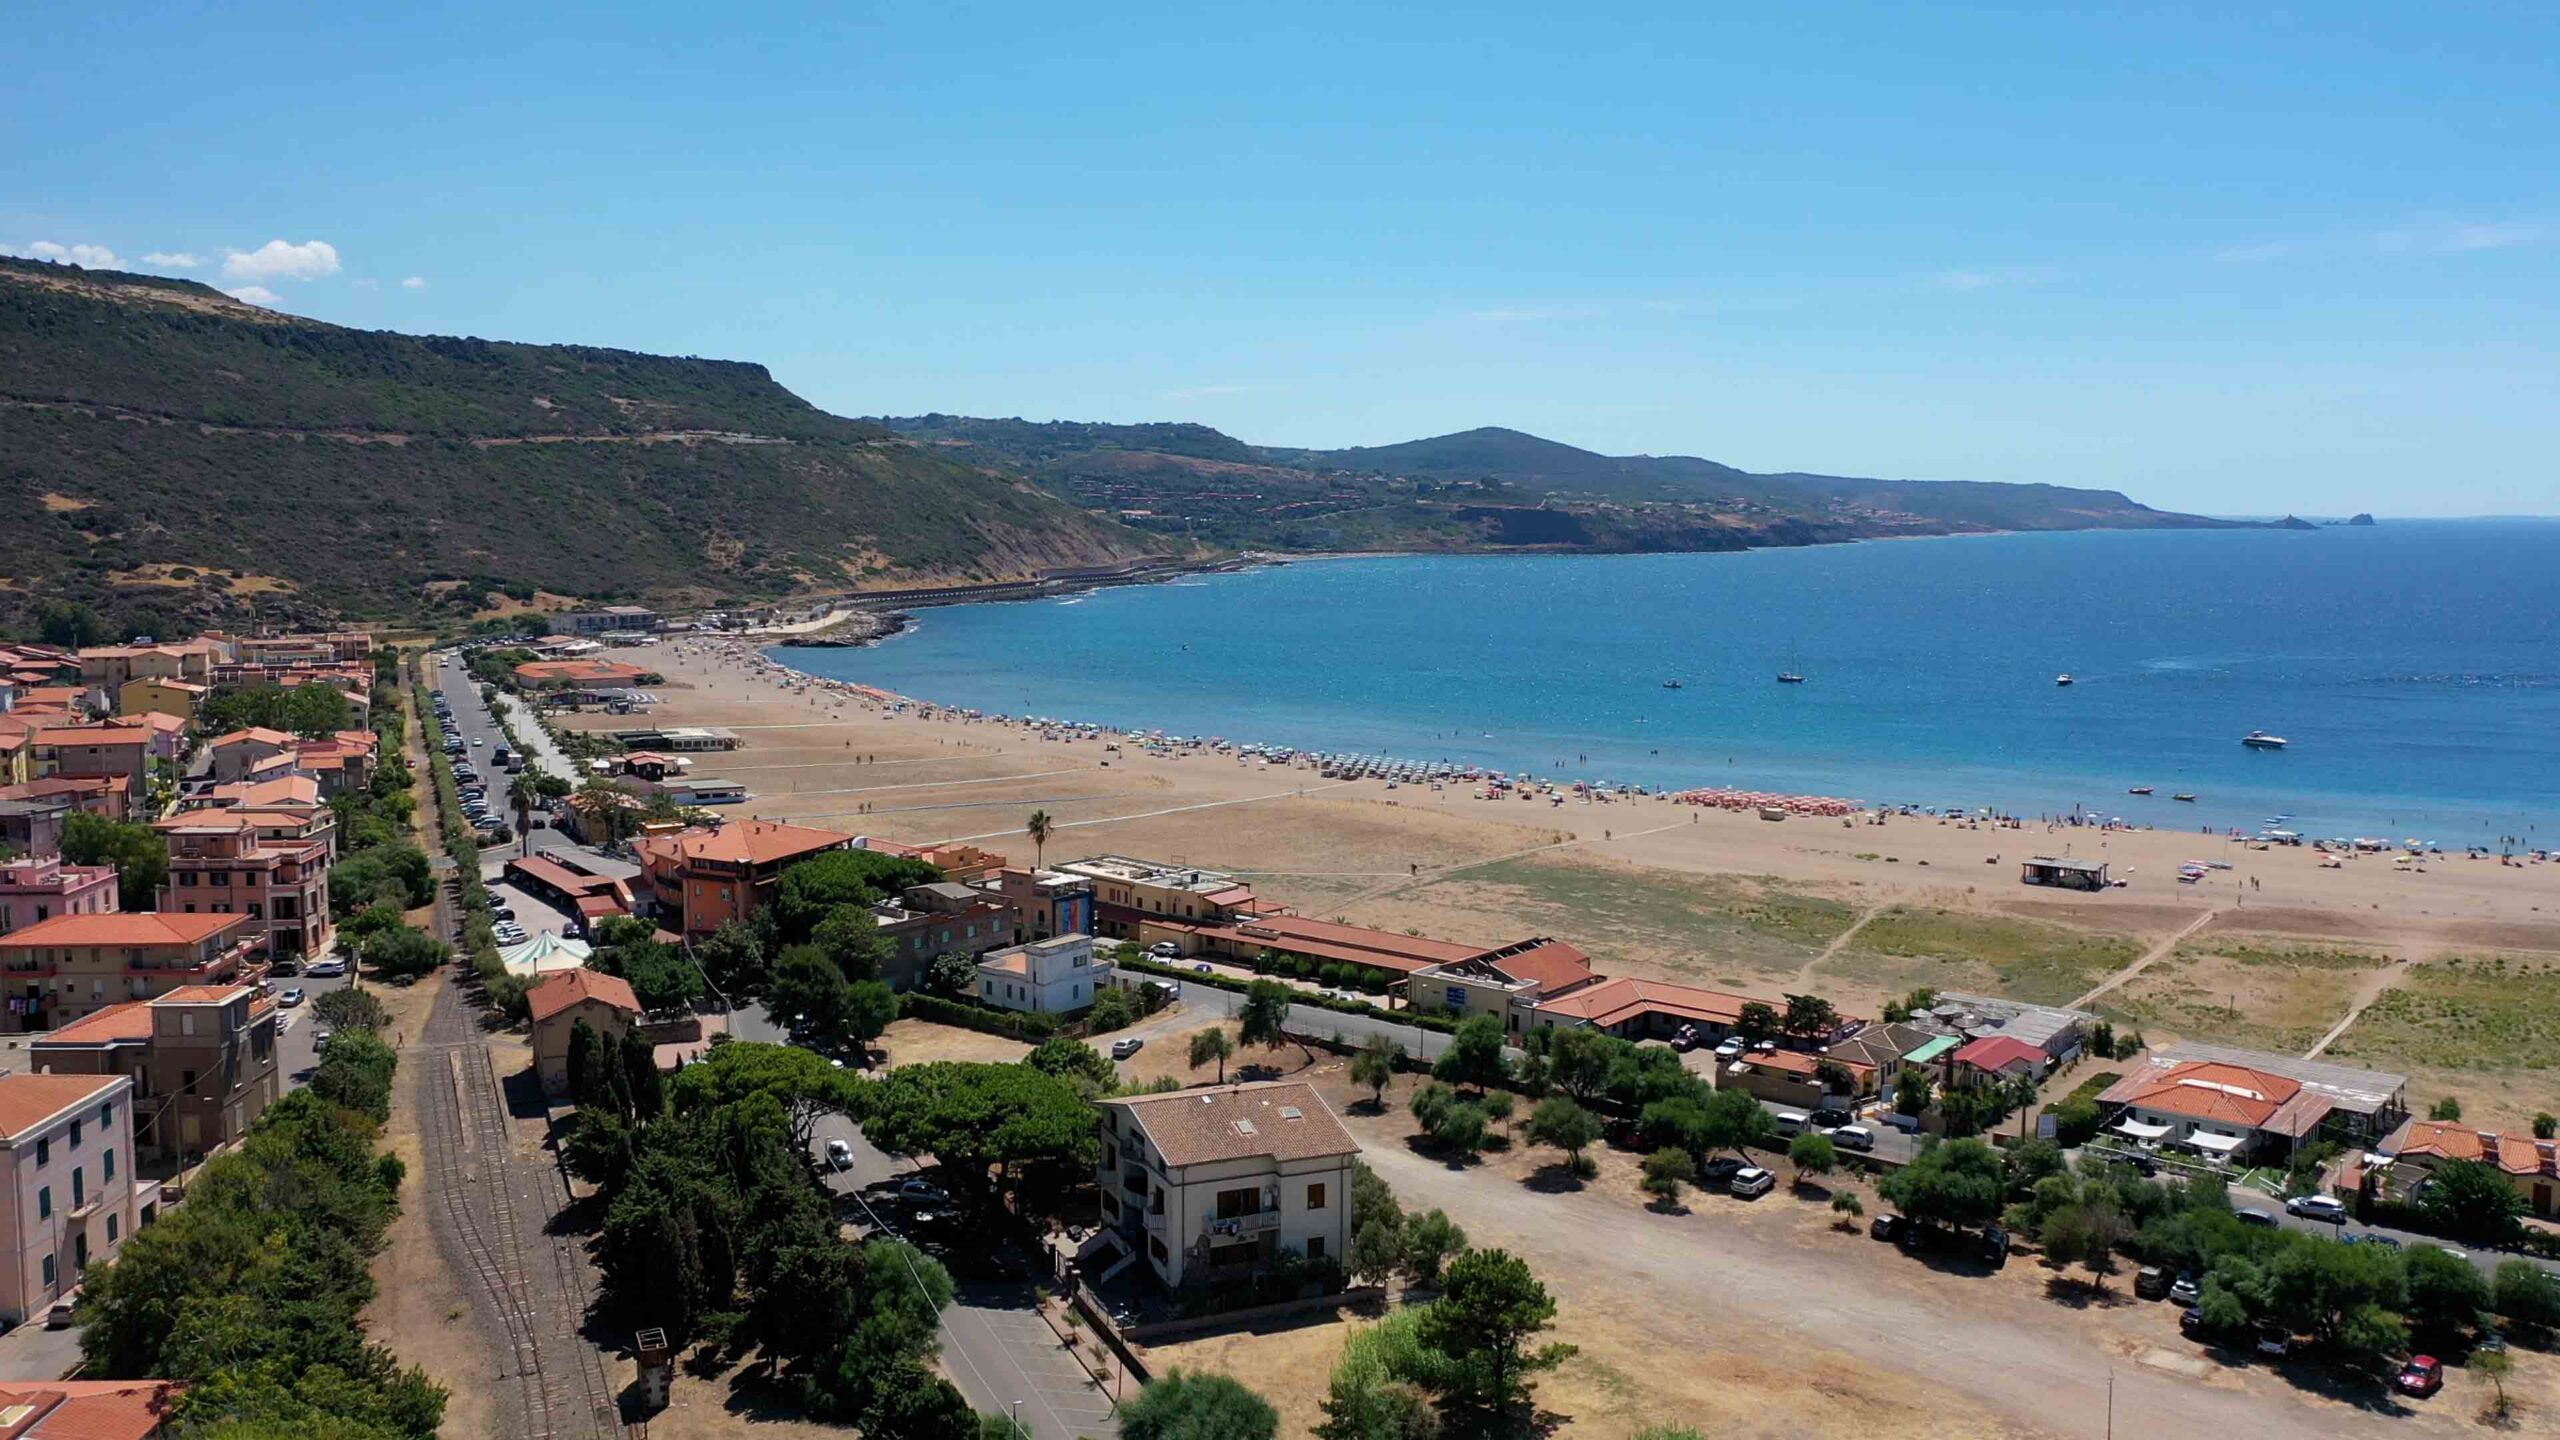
[1858,908]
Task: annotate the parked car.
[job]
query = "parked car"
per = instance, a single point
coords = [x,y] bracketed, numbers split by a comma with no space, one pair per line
[2274,1342]
[2186,1289]
[320,1039]
[327,967]
[2328,1209]
[2151,1283]
[2264,1219]
[1853,1137]
[1751,1181]
[839,1155]
[1718,1173]
[1123,1049]
[1831,1117]
[1791,1122]
[1729,1050]
[64,1310]
[2191,1320]
[1165,950]
[1203,967]
[2422,1376]
[921,1192]
[1887,1227]
[1995,1246]
[291,997]
[1685,1038]
[2385,1241]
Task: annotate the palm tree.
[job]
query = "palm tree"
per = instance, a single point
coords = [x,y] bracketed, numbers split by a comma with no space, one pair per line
[521,797]
[1038,829]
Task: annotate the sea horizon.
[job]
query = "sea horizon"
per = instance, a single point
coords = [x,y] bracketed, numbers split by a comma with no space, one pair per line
[2411,666]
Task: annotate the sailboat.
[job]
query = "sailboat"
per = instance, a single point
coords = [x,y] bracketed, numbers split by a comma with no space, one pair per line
[1790,675]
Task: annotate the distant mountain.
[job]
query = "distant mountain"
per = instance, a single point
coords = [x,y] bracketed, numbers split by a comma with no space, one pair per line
[1493,488]
[167,451]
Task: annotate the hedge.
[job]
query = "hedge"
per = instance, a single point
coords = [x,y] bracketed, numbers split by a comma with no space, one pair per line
[1145,966]
[1012,1024]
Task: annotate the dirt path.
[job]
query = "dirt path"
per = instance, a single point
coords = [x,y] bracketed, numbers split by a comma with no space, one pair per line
[2149,956]
[1839,942]
[2373,988]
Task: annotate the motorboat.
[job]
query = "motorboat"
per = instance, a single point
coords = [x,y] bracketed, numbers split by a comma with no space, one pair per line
[1671,685]
[2189,798]
[2063,679]
[2261,740]
[1789,677]
[2139,790]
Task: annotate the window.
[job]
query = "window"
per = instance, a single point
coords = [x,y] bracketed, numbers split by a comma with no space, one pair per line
[1315,1197]
[1315,1247]
[44,1202]
[75,1134]
[48,1274]
[44,1152]
[109,1166]
[111,1227]
[107,1116]
[1155,1247]
[79,1188]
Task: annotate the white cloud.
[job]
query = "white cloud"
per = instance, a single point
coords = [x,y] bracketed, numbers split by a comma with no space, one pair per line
[256,295]
[414,282]
[96,257]
[173,259]
[277,260]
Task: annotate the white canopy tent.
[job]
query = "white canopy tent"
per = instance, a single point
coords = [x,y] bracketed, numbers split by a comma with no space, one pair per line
[2215,1144]
[2139,1130]
[545,954]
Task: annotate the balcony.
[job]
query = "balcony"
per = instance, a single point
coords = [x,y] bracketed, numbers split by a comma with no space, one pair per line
[1232,1226]
[1134,1180]
[1155,1222]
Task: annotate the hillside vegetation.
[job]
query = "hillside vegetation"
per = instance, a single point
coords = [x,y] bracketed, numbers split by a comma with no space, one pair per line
[170,452]
[1492,488]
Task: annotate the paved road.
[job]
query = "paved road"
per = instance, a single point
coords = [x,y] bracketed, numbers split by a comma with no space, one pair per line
[996,1347]
[2486,1259]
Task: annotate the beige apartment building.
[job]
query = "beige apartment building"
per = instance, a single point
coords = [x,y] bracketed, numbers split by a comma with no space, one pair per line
[75,965]
[202,1060]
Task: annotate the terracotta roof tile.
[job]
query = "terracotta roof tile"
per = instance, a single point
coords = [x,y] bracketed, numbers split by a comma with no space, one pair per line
[128,1021]
[27,1101]
[151,927]
[569,987]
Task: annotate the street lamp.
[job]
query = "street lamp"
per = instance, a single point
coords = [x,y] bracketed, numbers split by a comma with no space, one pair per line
[1014,1421]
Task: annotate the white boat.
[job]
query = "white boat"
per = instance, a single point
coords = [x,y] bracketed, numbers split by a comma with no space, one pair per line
[2261,740]
[2062,679]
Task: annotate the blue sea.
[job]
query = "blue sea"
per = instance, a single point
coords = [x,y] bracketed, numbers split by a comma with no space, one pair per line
[2414,666]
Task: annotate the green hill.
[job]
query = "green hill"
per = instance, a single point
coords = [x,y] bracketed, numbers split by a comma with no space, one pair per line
[1491,488]
[166,451]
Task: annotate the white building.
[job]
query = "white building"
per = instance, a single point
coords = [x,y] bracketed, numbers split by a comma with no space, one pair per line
[1208,1185]
[1055,976]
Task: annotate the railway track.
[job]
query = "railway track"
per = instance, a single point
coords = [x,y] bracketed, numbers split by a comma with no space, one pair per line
[496,1207]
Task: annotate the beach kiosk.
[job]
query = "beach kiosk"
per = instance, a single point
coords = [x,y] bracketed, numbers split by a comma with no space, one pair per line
[2068,873]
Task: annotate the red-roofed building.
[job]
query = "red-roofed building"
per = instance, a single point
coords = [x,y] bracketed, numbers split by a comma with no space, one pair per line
[69,966]
[272,866]
[35,890]
[86,1409]
[705,877]
[239,753]
[1509,982]
[2216,1108]
[604,1002]
[1994,1058]
[2531,1166]
[202,1059]
[109,797]
[68,1196]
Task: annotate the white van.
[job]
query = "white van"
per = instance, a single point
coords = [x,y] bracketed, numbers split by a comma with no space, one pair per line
[1792,1122]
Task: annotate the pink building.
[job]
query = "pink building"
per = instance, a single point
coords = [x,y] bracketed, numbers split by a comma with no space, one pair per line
[34,891]
[272,866]
[67,1192]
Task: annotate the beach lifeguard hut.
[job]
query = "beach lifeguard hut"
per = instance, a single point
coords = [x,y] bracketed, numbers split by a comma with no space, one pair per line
[2070,874]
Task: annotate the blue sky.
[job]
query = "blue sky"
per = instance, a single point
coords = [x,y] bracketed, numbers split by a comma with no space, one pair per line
[2303,259]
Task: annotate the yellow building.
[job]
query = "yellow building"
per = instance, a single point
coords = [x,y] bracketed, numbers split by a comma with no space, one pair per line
[154,694]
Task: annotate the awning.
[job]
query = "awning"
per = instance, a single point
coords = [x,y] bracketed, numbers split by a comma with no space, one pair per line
[2140,1131]
[2217,1144]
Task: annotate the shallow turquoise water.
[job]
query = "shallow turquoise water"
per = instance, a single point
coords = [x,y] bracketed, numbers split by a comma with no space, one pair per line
[2414,666]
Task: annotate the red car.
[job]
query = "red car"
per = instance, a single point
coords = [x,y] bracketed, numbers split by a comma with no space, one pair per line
[2423,1375]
